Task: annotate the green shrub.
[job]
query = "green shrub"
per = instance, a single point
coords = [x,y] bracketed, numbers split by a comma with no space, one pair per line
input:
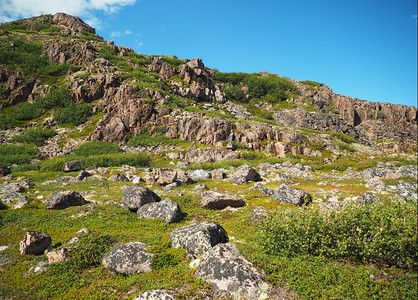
[73,114]
[147,140]
[7,122]
[59,97]
[27,111]
[36,136]
[342,137]
[15,154]
[346,147]
[234,92]
[311,83]
[165,256]
[238,145]
[378,233]
[97,148]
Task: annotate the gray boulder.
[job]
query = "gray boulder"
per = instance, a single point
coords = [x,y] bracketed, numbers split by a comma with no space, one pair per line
[258,215]
[410,170]
[376,183]
[231,275]
[71,166]
[165,210]
[217,174]
[215,200]
[156,295]
[10,197]
[118,177]
[407,191]
[12,187]
[63,199]
[291,195]
[82,175]
[135,196]
[197,239]
[35,242]
[244,174]
[128,259]
[199,174]
[368,198]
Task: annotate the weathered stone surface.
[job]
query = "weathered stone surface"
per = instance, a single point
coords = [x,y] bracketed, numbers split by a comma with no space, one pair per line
[166,176]
[156,295]
[72,166]
[135,196]
[409,170]
[128,259]
[198,174]
[257,215]
[291,195]
[201,155]
[368,198]
[215,200]
[244,174]
[12,188]
[82,175]
[159,65]
[35,242]
[118,177]
[63,199]
[231,275]
[165,210]
[58,256]
[73,23]
[376,183]
[197,239]
[217,174]
[407,191]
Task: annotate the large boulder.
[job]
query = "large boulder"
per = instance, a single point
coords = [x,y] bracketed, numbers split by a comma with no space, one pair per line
[135,196]
[407,191]
[35,242]
[287,194]
[231,275]
[128,259]
[165,210]
[63,199]
[215,200]
[244,174]
[197,239]
[410,170]
[198,174]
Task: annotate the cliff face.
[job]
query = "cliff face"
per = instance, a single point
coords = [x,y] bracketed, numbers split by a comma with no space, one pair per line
[184,99]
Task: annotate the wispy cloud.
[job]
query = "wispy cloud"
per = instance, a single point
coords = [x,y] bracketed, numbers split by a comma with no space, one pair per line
[17,9]
[119,33]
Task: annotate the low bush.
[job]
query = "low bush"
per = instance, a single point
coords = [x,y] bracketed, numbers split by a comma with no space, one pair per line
[165,256]
[14,154]
[378,233]
[147,140]
[27,111]
[73,114]
[97,148]
[7,122]
[59,97]
[36,136]
[343,137]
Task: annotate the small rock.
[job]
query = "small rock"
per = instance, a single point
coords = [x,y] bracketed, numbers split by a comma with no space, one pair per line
[368,198]
[4,170]
[83,232]
[118,177]
[63,199]
[201,186]
[258,215]
[407,191]
[376,183]
[217,174]
[291,195]
[71,166]
[244,174]
[197,239]
[215,200]
[35,242]
[128,259]
[199,174]
[165,210]
[82,175]
[57,256]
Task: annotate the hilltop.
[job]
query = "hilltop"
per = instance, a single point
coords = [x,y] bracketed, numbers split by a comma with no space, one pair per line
[263,157]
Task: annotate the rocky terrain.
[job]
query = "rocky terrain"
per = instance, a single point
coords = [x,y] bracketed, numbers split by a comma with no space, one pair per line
[152,177]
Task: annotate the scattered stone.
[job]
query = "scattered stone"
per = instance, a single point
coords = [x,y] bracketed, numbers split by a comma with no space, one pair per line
[150,179]
[4,171]
[258,215]
[231,275]
[58,256]
[2,248]
[72,166]
[199,174]
[200,186]
[165,210]
[35,242]
[376,183]
[12,188]
[197,239]
[283,177]
[217,174]
[82,175]
[26,183]
[156,295]
[291,195]
[410,170]
[244,174]
[170,186]
[118,177]
[407,191]
[166,176]
[368,198]
[215,200]
[265,190]
[63,199]
[135,196]
[128,259]
[83,232]
[41,267]
[136,179]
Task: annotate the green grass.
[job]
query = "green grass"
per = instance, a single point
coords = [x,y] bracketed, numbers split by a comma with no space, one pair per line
[36,136]
[14,154]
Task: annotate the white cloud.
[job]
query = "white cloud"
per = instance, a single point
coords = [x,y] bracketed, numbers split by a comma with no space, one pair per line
[128,31]
[119,34]
[17,9]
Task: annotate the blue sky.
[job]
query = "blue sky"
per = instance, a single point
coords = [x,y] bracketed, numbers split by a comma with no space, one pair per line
[361,48]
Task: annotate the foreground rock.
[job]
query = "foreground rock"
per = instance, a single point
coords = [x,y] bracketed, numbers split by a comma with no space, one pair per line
[63,199]
[215,200]
[135,196]
[197,239]
[231,275]
[156,295]
[287,194]
[244,174]
[35,242]
[165,210]
[128,259]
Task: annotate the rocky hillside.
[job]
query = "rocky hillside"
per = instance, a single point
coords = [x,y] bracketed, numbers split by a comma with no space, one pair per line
[124,176]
